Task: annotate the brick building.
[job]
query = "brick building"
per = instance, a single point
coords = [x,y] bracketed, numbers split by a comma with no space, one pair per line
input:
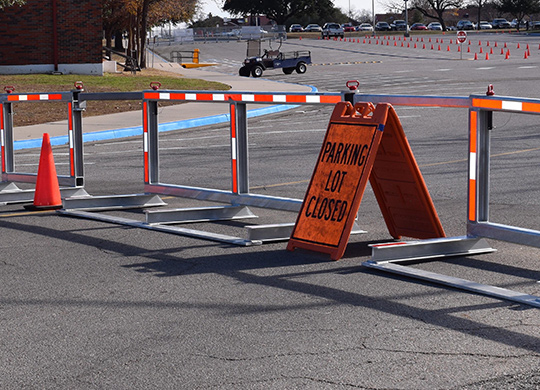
[47,36]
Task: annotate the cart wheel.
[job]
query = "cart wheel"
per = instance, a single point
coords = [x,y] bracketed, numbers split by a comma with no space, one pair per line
[288,70]
[257,71]
[301,67]
[244,71]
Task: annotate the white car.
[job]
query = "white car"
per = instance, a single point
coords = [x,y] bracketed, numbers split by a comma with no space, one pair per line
[485,25]
[365,27]
[435,26]
[313,28]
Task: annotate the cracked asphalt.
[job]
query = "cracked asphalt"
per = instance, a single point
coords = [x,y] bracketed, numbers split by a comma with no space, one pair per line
[91,305]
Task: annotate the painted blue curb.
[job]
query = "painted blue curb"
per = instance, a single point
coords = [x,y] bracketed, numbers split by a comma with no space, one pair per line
[163,127]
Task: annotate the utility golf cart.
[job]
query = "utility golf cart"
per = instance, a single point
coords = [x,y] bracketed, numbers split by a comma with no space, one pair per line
[255,63]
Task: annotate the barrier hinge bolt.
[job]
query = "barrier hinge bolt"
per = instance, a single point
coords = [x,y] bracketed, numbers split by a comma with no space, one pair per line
[155,85]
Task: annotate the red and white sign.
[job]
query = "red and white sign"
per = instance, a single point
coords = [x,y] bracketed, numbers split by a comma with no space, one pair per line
[461,36]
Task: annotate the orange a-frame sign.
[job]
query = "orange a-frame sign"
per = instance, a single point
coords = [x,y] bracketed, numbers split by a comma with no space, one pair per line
[334,194]
[360,143]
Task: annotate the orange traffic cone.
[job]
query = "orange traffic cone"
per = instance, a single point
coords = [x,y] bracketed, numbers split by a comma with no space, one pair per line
[47,193]
[475,56]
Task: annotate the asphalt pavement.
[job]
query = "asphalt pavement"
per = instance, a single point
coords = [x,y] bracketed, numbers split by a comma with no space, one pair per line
[86,304]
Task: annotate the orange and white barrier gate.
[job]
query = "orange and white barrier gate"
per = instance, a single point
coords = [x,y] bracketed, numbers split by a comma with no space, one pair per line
[73,183]
[386,256]
[238,196]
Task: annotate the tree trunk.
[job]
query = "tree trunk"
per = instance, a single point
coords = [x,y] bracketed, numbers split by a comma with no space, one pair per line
[118,42]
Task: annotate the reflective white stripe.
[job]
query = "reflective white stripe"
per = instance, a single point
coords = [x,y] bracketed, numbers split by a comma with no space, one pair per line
[70,134]
[248,98]
[191,96]
[218,96]
[43,97]
[2,136]
[165,95]
[472,166]
[145,141]
[313,99]
[280,98]
[23,97]
[233,148]
[514,106]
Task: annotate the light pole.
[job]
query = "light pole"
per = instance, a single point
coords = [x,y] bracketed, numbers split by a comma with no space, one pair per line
[373,15]
[406,19]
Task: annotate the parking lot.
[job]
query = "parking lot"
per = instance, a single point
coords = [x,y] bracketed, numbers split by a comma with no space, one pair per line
[91,305]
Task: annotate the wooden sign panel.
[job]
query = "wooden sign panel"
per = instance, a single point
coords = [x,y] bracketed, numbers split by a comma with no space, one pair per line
[343,168]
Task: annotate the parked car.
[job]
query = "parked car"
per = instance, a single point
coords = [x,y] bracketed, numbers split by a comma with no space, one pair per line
[296,28]
[364,27]
[483,25]
[348,27]
[382,26]
[418,26]
[465,25]
[312,28]
[399,25]
[451,28]
[332,30]
[521,25]
[435,26]
[500,23]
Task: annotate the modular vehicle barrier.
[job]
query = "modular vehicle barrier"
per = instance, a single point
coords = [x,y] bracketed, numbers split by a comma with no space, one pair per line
[385,257]
[73,183]
[239,195]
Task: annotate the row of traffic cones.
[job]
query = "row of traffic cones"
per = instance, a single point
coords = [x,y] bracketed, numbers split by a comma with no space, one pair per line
[381,41]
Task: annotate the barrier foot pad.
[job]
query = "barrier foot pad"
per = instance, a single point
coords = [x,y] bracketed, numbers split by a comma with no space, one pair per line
[281,231]
[198,214]
[114,202]
[429,249]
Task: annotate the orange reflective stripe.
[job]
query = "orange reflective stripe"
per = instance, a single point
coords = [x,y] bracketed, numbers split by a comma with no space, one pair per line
[472,200]
[531,107]
[487,103]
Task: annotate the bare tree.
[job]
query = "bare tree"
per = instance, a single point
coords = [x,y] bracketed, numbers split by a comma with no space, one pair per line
[435,9]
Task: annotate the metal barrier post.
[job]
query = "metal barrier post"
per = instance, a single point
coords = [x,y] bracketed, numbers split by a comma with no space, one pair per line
[76,144]
[7,139]
[239,148]
[150,142]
